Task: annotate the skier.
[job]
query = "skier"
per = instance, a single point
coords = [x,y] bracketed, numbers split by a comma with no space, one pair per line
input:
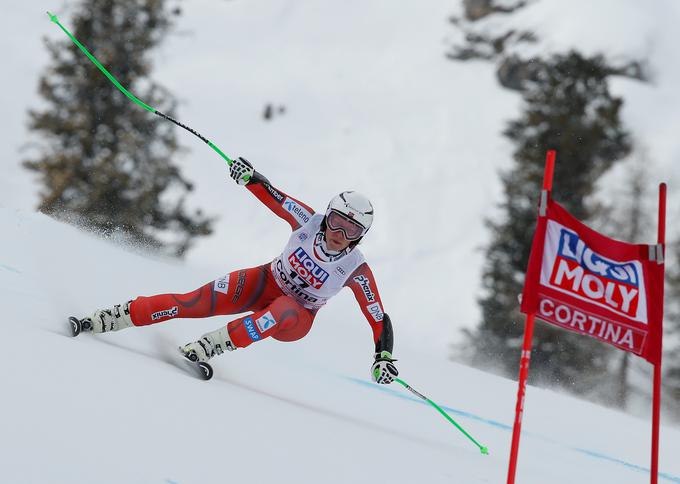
[320,258]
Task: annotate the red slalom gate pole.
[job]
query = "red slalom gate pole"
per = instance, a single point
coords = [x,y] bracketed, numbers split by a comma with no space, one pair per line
[662,214]
[656,399]
[549,169]
[525,359]
[519,408]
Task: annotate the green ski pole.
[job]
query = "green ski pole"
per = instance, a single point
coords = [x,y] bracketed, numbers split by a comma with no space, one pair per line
[482,449]
[131,96]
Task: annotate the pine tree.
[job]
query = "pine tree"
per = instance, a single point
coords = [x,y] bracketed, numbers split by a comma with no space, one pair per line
[626,213]
[567,107]
[104,161]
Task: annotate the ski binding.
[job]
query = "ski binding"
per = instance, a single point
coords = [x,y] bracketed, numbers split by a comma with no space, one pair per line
[202,369]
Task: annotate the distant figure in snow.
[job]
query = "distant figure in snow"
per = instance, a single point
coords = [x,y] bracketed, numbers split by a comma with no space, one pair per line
[283,296]
[268,113]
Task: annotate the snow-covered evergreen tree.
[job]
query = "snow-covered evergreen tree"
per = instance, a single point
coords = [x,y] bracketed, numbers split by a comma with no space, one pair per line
[104,161]
[567,107]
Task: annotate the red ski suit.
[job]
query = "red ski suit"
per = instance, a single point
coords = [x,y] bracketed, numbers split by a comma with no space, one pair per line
[276,311]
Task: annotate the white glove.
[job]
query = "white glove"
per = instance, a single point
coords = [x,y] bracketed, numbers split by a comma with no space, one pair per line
[241,170]
[383,369]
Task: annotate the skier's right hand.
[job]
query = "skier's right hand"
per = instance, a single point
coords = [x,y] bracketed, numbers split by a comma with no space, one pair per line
[241,170]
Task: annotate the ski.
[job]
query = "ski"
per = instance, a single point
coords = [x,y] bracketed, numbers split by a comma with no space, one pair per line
[201,369]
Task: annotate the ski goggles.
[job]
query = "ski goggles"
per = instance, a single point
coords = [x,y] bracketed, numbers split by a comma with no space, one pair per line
[351,229]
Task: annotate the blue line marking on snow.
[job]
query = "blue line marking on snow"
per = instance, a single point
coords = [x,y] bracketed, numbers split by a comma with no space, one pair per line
[494,423]
[11,269]
[404,396]
[634,467]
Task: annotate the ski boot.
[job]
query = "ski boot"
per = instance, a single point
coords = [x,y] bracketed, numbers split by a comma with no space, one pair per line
[103,320]
[208,346]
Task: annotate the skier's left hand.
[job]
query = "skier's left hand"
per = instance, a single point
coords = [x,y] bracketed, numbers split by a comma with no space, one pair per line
[383,369]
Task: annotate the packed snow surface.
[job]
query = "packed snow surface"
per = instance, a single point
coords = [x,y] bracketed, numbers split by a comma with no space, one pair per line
[119,408]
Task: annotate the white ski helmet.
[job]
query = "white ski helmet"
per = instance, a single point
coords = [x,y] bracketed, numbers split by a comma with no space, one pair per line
[352,206]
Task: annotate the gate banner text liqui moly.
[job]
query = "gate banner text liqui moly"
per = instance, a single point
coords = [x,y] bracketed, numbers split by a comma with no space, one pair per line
[585,282]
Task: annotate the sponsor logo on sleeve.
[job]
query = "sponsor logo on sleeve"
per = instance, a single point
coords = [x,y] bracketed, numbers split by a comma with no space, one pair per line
[308,270]
[265,322]
[222,284]
[376,311]
[250,329]
[274,192]
[365,284]
[165,313]
[300,212]
[303,236]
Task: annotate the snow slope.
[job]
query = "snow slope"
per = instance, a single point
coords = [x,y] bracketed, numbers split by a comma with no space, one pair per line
[118,409]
